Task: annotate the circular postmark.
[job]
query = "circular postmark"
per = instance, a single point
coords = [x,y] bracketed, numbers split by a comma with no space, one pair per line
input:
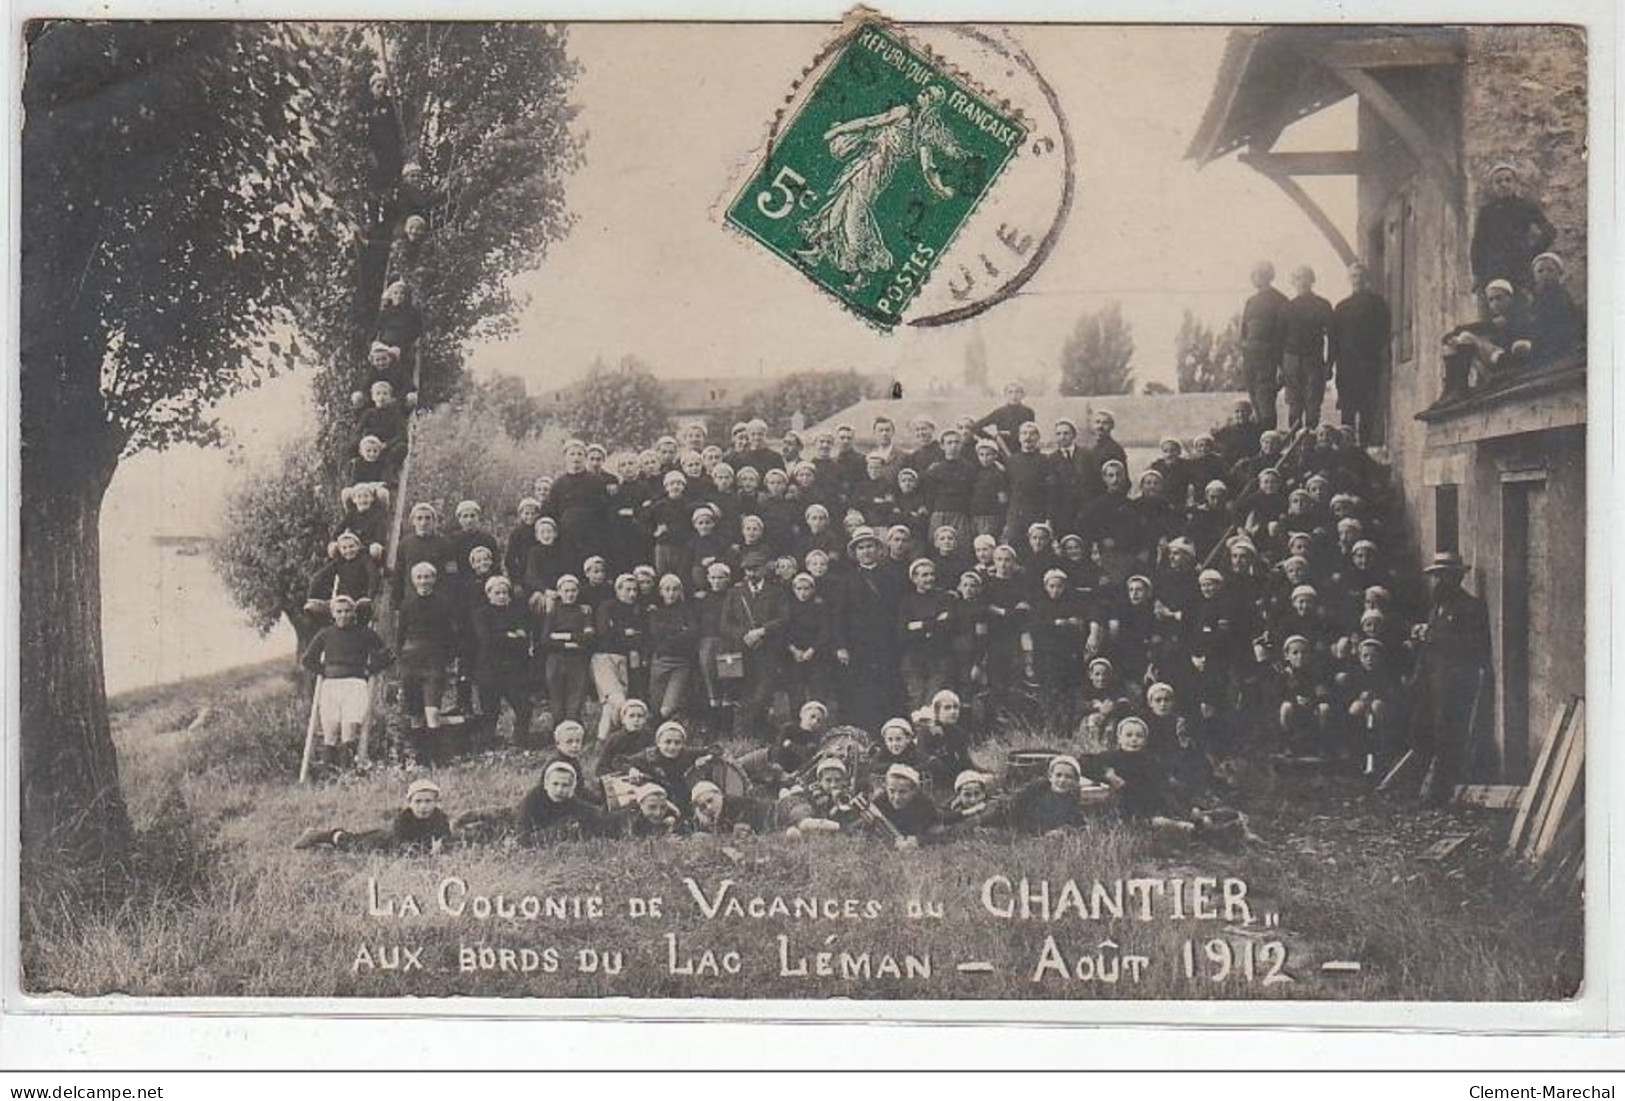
[918,177]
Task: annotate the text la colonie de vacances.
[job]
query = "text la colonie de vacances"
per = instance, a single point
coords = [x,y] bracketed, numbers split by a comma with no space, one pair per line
[836,944]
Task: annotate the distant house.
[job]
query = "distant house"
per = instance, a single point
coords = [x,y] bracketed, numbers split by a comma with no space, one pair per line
[701,397]
[1498,474]
[689,397]
[1141,421]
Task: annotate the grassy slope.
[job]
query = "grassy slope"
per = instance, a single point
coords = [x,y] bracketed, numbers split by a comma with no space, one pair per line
[233,911]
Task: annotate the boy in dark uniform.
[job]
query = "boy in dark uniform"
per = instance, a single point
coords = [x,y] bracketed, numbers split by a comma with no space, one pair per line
[346,655]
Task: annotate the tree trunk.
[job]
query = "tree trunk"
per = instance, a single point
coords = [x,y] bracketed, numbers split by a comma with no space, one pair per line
[304,630]
[74,819]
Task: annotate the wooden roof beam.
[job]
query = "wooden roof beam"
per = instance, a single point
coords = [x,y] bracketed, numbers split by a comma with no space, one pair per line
[1339,163]
[1396,51]
[1305,202]
[1435,159]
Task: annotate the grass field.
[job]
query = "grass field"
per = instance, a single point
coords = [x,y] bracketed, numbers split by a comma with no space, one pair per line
[227,908]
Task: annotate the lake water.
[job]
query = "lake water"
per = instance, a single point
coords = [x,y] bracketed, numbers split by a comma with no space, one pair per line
[167,616]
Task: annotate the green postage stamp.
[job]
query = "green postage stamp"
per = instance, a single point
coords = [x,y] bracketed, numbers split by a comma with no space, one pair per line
[876,172]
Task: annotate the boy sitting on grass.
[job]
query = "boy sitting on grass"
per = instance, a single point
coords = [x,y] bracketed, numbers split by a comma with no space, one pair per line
[345,654]
[714,813]
[669,762]
[570,746]
[904,813]
[973,806]
[629,737]
[651,817]
[896,747]
[1172,800]
[826,807]
[420,826]
[552,811]
[1052,806]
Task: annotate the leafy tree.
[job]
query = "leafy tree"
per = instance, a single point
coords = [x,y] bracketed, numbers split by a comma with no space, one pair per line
[621,407]
[1229,372]
[1193,351]
[1207,361]
[814,394]
[485,111]
[465,453]
[1095,358]
[277,522]
[975,376]
[279,517]
[166,170]
[519,415]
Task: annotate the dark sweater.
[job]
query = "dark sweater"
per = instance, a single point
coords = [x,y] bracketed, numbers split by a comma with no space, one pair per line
[357,578]
[503,636]
[345,653]
[427,632]
[674,631]
[541,819]
[622,628]
[408,830]
[568,629]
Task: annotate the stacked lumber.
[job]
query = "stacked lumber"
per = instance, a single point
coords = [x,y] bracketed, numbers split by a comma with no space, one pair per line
[1548,833]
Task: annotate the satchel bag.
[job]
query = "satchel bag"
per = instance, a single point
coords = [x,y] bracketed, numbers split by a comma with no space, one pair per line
[731,664]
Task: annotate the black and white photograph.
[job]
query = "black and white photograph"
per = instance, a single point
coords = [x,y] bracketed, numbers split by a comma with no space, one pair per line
[902,512]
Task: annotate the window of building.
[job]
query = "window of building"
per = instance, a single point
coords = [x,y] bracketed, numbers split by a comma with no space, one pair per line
[1398,259]
[1446,519]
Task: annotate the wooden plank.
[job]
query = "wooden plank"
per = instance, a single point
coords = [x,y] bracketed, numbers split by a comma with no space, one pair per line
[1489,796]
[1400,766]
[1568,781]
[1543,801]
[1441,849]
[1531,791]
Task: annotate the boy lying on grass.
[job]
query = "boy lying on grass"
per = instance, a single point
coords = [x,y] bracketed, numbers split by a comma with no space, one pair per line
[419,826]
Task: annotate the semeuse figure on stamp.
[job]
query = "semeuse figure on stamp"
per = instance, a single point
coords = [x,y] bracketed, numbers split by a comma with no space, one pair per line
[844,232]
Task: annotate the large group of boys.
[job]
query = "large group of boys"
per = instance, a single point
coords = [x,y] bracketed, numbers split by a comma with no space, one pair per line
[858,622]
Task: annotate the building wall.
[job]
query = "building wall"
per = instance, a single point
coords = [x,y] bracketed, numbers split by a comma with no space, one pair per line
[1439,290]
[1548,470]
[1525,103]
[1518,98]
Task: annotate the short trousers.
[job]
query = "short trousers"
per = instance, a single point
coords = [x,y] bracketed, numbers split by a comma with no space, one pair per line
[345,701]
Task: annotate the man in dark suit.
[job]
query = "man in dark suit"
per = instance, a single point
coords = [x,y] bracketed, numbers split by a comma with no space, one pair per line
[1457,660]
[754,617]
[1073,477]
[1263,342]
[866,644]
[1361,329]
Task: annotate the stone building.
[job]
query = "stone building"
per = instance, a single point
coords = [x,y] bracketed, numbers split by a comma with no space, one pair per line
[1497,473]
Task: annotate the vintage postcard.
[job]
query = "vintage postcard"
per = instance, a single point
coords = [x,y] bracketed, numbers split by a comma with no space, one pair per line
[999,520]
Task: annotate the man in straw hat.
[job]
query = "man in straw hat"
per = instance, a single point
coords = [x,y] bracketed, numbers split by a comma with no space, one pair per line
[1457,662]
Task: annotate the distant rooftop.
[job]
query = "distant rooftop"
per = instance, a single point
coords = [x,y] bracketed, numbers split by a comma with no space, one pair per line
[1141,420]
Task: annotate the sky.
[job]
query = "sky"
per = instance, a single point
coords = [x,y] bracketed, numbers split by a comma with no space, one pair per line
[672,114]
[673,111]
